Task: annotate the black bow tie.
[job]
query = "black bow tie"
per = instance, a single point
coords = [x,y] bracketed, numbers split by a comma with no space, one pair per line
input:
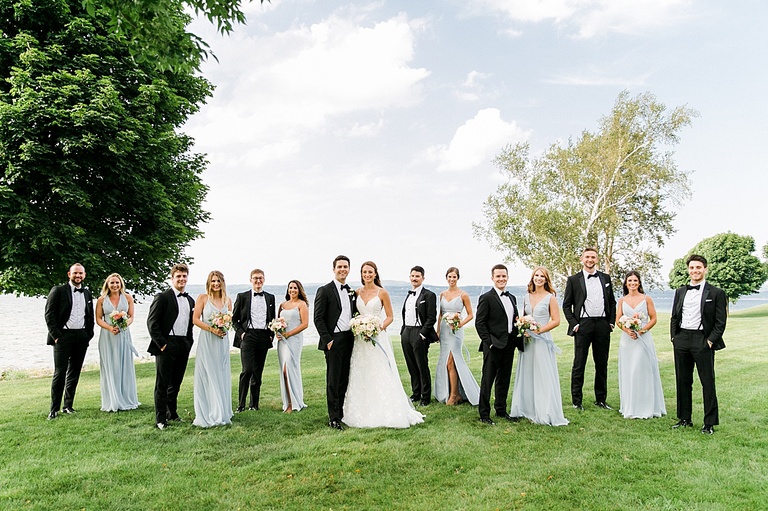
[345,287]
[79,290]
[591,276]
[183,294]
[505,293]
[258,293]
[411,293]
[696,287]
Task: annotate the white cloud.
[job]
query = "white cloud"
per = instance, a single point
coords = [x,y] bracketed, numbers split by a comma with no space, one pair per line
[472,89]
[590,18]
[476,141]
[357,130]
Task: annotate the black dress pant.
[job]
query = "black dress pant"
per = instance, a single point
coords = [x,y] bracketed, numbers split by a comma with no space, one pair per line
[595,332]
[691,349]
[253,353]
[68,356]
[170,366]
[416,352]
[337,373]
[497,370]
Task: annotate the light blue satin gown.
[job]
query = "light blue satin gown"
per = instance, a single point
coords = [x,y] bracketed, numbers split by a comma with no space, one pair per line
[640,392]
[213,378]
[536,395]
[289,357]
[118,374]
[453,343]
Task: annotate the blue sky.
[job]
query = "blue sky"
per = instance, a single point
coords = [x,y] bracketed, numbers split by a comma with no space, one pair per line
[368,128]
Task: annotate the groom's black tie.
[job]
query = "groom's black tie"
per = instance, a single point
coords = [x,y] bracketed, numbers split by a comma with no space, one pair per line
[696,287]
[260,293]
[411,293]
[183,294]
[593,275]
[345,287]
[79,290]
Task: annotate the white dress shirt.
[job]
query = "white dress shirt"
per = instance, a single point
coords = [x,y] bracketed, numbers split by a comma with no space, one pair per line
[692,309]
[342,325]
[506,301]
[76,319]
[258,312]
[411,318]
[181,324]
[594,305]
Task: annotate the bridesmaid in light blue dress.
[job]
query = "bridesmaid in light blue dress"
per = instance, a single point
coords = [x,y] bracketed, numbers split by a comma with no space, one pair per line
[640,389]
[454,381]
[116,350]
[295,312]
[536,395]
[213,378]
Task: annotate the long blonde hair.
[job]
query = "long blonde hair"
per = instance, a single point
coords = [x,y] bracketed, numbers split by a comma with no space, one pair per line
[216,273]
[105,286]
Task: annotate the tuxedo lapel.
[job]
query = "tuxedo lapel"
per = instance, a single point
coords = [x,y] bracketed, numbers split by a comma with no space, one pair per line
[500,305]
[704,294]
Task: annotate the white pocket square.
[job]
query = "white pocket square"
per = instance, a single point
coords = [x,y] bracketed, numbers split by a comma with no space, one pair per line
[608,284]
[708,300]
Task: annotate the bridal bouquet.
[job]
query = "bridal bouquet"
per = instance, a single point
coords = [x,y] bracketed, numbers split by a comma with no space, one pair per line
[633,322]
[119,319]
[278,325]
[221,320]
[526,323]
[366,327]
[453,319]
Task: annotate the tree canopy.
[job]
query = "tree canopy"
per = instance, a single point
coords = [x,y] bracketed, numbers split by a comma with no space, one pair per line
[92,168]
[732,265]
[153,31]
[615,190]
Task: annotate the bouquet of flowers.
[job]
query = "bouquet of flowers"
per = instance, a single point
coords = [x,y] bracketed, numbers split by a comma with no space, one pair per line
[119,319]
[221,320]
[278,325]
[526,323]
[453,319]
[633,322]
[366,327]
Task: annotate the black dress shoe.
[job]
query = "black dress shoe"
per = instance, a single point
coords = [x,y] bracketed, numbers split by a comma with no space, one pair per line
[253,408]
[335,425]
[52,415]
[161,425]
[683,423]
[487,420]
[68,410]
[415,398]
[578,407]
[424,402]
[175,419]
[707,429]
[601,404]
[508,417]
[240,409]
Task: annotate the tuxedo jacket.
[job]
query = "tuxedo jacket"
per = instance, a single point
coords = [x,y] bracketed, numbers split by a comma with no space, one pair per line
[58,307]
[576,294]
[328,310]
[162,316]
[241,314]
[426,311]
[713,314]
[491,322]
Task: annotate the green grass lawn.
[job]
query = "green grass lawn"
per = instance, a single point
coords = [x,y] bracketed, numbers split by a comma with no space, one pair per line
[268,460]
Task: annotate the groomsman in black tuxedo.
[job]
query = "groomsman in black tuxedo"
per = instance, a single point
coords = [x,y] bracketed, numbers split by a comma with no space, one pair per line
[418,330]
[589,305]
[69,318]
[499,336]
[696,329]
[334,308]
[170,329]
[253,311]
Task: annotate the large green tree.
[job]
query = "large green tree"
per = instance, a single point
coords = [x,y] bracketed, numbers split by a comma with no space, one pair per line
[615,189]
[732,265]
[92,167]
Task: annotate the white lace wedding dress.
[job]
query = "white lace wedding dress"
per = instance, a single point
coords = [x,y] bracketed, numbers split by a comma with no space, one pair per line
[375,397]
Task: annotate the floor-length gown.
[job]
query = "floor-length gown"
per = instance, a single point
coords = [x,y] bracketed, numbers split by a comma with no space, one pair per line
[451,342]
[289,357]
[536,395]
[375,396]
[213,378]
[640,392]
[118,374]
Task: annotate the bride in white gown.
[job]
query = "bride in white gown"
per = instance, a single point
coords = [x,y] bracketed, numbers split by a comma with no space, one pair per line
[375,397]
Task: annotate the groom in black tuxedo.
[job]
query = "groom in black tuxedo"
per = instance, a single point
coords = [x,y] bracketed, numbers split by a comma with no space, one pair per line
[499,336]
[696,329]
[170,328]
[589,305]
[253,311]
[69,318]
[334,308]
[418,330]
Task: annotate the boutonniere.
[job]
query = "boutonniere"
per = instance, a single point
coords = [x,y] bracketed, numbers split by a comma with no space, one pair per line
[351,293]
[607,284]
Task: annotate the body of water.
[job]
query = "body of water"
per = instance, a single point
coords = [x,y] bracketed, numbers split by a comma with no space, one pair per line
[22,338]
